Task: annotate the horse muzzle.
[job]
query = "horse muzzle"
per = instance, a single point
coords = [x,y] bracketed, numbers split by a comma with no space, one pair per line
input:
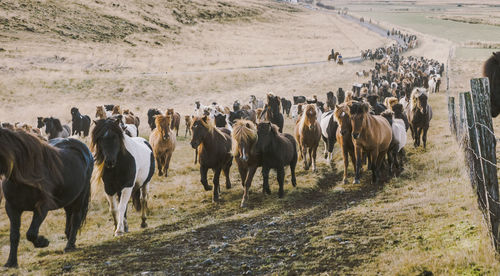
[195,144]
[110,164]
[355,135]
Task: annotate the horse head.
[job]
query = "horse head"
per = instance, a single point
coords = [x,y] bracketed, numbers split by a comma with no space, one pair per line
[74,112]
[245,136]
[200,128]
[422,103]
[358,112]
[310,115]
[163,125]
[342,117]
[107,141]
[40,122]
[266,131]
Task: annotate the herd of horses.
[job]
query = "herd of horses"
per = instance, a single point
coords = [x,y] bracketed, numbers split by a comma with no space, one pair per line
[43,170]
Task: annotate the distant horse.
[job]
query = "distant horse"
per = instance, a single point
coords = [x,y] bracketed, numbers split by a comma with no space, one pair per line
[389,102]
[340,95]
[244,140]
[54,129]
[81,123]
[176,120]
[41,177]
[398,141]
[286,105]
[222,120]
[163,141]
[256,103]
[376,107]
[40,124]
[399,114]
[277,150]
[214,151]
[372,135]
[236,105]
[109,107]
[299,99]
[328,133]
[117,110]
[101,113]
[126,166]
[308,134]
[419,115]
[250,115]
[272,111]
[151,117]
[130,118]
[344,137]
[188,120]
[331,100]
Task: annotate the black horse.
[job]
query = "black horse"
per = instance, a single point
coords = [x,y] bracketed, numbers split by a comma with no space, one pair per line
[220,120]
[286,105]
[54,129]
[242,114]
[340,95]
[331,100]
[40,122]
[491,70]
[81,123]
[152,112]
[272,111]
[377,108]
[236,105]
[276,150]
[299,99]
[41,177]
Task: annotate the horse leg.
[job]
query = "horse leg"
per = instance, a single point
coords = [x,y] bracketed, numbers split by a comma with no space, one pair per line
[167,163]
[265,178]
[159,162]
[293,165]
[313,159]
[359,163]
[304,155]
[250,172]
[373,166]
[15,224]
[113,208]
[280,174]
[144,204]
[419,133]
[226,170]
[243,170]
[204,181]
[122,207]
[216,184]
[325,152]
[32,234]
[424,136]
[345,155]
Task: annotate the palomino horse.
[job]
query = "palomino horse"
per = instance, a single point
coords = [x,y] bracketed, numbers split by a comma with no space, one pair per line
[125,165]
[214,151]
[344,138]
[308,134]
[41,177]
[163,141]
[419,115]
[244,139]
[277,150]
[372,135]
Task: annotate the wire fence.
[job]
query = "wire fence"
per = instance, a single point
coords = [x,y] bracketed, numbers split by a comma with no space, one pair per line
[473,130]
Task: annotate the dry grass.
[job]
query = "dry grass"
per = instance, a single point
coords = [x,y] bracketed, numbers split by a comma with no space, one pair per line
[425,220]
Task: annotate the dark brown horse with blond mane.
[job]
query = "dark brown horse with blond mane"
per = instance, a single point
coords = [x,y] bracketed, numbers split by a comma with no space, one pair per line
[214,151]
[41,177]
[371,134]
[244,140]
[308,135]
[419,116]
[344,137]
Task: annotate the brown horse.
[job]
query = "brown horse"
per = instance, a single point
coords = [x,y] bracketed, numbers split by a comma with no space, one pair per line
[244,139]
[372,135]
[308,134]
[214,151]
[116,110]
[419,116]
[189,121]
[176,120]
[130,118]
[163,141]
[344,137]
[100,113]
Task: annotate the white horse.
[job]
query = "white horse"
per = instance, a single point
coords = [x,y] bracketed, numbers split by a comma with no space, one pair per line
[432,84]
[256,103]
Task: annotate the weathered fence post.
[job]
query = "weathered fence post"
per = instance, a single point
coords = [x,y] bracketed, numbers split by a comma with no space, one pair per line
[452,116]
[486,149]
[472,150]
[461,119]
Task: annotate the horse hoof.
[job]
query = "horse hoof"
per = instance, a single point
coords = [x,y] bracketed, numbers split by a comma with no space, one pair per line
[207,187]
[356,181]
[144,224]
[243,205]
[119,233]
[228,185]
[68,249]
[41,242]
[10,264]
[346,181]
[281,194]
[160,173]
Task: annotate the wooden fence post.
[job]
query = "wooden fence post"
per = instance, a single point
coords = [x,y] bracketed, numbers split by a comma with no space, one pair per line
[462,118]
[471,150]
[486,149]
[452,116]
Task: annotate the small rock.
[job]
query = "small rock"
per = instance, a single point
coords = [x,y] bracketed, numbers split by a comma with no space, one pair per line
[208,262]
[146,273]
[224,238]
[2,50]
[272,249]
[193,231]
[352,202]
[67,267]
[293,255]
[248,272]
[272,232]
[272,223]
[282,249]
[329,237]
[344,242]
[107,263]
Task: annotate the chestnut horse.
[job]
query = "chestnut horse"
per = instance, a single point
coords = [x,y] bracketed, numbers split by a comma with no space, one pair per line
[419,116]
[308,134]
[214,151]
[244,139]
[344,138]
[372,135]
[163,141]
[189,120]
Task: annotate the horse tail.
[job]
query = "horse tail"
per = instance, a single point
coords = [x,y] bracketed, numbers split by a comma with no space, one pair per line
[136,199]
[87,193]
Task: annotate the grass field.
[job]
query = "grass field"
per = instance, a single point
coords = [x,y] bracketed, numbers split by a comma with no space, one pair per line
[424,221]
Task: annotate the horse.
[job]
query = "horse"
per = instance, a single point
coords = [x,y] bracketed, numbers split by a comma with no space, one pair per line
[250,115]
[399,114]
[308,134]
[117,110]
[189,120]
[152,112]
[54,129]
[331,100]
[176,120]
[81,123]
[256,103]
[236,105]
[398,142]
[286,105]
[163,143]
[101,113]
[222,120]
[40,177]
[328,133]
[389,102]
[130,118]
[109,107]
[340,95]
[244,137]
[214,151]
[125,165]
[277,150]
[272,111]
[299,99]
[372,135]
[344,138]
[376,107]
[432,84]
[40,124]
[419,116]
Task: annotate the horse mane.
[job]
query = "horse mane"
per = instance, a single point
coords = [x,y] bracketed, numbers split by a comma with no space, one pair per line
[208,124]
[30,161]
[358,108]
[163,122]
[390,102]
[302,121]
[243,130]
[343,107]
[348,96]
[100,112]
[388,115]
[116,110]
[102,126]
[417,91]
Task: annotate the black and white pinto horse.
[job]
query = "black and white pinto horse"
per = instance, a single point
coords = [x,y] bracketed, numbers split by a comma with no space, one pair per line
[81,123]
[54,129]
[329,133]
[41,177]
[125,165]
